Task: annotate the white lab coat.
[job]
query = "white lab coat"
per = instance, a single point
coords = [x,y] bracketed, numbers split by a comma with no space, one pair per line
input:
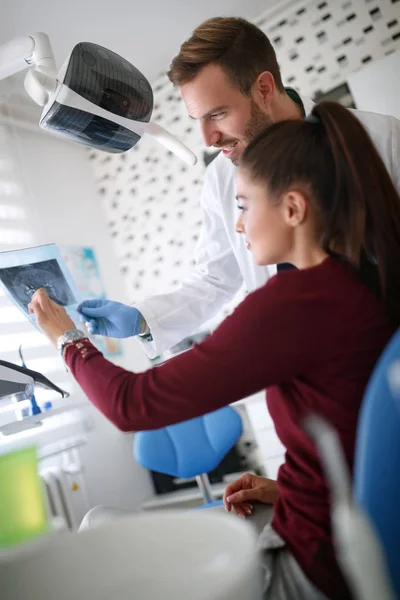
[223,262]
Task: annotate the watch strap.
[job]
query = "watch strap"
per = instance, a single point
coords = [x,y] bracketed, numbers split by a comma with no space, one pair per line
[69,337]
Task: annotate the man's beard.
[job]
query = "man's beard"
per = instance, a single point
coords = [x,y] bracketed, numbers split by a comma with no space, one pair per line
[258,120]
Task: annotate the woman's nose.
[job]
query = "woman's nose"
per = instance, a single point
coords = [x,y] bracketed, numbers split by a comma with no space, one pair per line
[239,224]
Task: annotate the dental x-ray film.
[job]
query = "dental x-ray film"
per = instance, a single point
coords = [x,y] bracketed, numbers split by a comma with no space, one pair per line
[22,272]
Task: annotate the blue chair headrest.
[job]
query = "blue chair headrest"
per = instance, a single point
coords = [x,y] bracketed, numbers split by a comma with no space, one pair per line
[376,472]
[189,448]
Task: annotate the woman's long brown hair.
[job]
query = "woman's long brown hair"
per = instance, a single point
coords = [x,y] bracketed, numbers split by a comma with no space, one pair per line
[332,157]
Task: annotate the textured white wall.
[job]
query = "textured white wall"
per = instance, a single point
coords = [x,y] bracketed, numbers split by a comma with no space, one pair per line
[320,42]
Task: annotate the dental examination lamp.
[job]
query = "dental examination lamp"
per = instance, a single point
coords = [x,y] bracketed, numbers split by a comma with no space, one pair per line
[17,383]
[97,99]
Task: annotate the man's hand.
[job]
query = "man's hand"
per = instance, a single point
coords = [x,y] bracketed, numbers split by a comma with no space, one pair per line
[51,318]
[110,319]
[241,493]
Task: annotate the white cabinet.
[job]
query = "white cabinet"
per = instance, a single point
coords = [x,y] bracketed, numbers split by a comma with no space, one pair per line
[272,466]
[257,411]
[270,448]
[269,444]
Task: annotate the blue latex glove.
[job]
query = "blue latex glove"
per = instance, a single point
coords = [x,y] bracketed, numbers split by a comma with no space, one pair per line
[111,319]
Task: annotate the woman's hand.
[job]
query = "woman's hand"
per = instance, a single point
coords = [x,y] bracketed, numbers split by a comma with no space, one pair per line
[241,493]
[51,318]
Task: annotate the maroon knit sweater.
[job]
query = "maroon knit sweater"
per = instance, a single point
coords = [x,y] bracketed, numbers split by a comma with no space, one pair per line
[311,338]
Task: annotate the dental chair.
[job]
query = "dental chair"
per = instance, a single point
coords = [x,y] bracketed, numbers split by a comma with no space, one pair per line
[366,521]
[192,448]
[179,556]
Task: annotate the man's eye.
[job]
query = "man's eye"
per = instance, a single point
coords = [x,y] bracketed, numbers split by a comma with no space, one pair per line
[217,116]
[242,208]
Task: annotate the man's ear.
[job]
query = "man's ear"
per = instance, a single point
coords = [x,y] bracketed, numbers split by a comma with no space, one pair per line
[263,88]
[295,206]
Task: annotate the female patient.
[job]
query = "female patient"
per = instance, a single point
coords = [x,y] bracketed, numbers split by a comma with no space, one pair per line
[315,194]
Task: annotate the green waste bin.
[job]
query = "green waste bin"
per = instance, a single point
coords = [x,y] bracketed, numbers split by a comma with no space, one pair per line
[22,508]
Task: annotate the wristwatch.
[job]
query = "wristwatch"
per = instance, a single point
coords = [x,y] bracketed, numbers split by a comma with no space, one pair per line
[69,337]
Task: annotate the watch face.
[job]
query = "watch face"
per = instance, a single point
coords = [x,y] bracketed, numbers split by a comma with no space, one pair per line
[68,337]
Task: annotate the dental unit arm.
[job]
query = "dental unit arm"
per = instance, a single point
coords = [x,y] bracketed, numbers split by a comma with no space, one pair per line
[18,383]
[97,99]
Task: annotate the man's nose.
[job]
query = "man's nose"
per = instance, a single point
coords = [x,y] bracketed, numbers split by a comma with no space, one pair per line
[210,134]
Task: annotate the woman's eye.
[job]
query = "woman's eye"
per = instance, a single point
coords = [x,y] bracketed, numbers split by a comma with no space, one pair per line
[242,208]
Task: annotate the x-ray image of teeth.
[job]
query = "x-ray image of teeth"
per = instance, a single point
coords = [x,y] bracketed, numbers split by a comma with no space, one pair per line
[24,270]
[22,282]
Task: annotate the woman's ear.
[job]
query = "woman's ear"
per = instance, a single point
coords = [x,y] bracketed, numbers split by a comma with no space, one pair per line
[295,207]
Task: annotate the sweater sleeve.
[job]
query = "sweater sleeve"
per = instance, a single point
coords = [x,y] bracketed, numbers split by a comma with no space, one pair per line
[262,343]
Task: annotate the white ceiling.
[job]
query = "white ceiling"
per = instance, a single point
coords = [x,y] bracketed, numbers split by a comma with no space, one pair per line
[148,34]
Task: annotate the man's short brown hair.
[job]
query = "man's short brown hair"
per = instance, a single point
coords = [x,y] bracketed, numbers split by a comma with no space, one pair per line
[241,49]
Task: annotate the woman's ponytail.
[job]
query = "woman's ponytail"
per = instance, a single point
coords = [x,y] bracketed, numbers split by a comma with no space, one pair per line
[364,219]
[331,156]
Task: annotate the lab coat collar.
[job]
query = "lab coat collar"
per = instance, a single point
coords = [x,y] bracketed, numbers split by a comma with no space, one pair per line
[308,104]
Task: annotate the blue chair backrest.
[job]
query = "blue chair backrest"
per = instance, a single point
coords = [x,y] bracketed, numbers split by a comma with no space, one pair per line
[377,465]
[189,448]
